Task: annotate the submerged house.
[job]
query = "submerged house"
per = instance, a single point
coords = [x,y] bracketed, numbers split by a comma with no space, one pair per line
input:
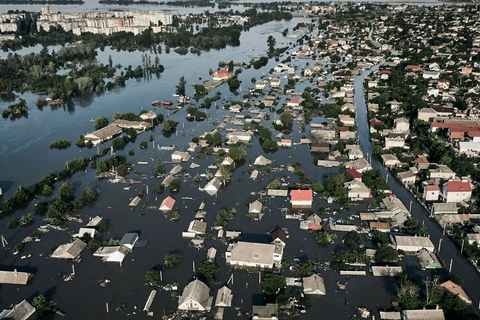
[167,204]
[314,285]
[255,207]
[301,198]
[213,186]
[251,254]
[312,222]
[266,312]
[428,260]
[224,297]
[104,134]
[21,311]
[195,297]
[69,250]
[112,254]
[14,277]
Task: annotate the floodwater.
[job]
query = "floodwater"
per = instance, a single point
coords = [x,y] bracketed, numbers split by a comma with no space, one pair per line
[25,157]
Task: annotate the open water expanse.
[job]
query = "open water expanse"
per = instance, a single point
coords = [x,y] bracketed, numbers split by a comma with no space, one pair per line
[25,157]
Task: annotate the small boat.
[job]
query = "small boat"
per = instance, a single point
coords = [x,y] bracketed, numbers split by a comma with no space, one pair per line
[173,108]
[167,103]
[136,181]
[156,103]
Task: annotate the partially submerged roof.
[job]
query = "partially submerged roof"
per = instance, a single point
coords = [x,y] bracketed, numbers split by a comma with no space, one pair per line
[14,277]
[224,297]
[313,285]
[196,291]
[262,161]
[129,239]
[69,250]
[21,311]
[268,311]
[429,314]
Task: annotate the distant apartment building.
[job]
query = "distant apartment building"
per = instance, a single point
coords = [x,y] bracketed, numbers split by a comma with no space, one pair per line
[104,22]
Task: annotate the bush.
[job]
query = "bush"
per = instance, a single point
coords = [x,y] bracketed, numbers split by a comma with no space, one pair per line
[208,269]
[172,260]
[153,277]
[12,224]
[60,144]
[26,219]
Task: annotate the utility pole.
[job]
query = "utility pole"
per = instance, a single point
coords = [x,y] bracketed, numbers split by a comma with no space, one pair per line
[461,249]
[439,244]
[450,268]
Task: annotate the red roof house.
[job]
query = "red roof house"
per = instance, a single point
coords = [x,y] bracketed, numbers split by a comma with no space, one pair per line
[301,198]
[219,75]
[167,204]
[356,174]
[457,191]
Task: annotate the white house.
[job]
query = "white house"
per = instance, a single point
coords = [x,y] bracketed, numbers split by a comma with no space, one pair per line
[413,244]
[250,254]
[456,191]
[431,192]
[213,186]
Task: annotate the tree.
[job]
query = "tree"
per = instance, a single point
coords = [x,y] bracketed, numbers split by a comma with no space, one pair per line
[200,92]
[153,277]
[208,269]
[89,195]
[324,238]
[40,303]
[47,190]
[408,293]
[181,87]
[272,283]
[172,260]
[233,84]
[66,191]
[236,153]
[26,219]
[379,237]
[386,254]
[159,169]
[306,268]
[287,120]
[414,227]
[270,145]
[169,126]
[100,122]
[274,184]
[317,187]
[353,239]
